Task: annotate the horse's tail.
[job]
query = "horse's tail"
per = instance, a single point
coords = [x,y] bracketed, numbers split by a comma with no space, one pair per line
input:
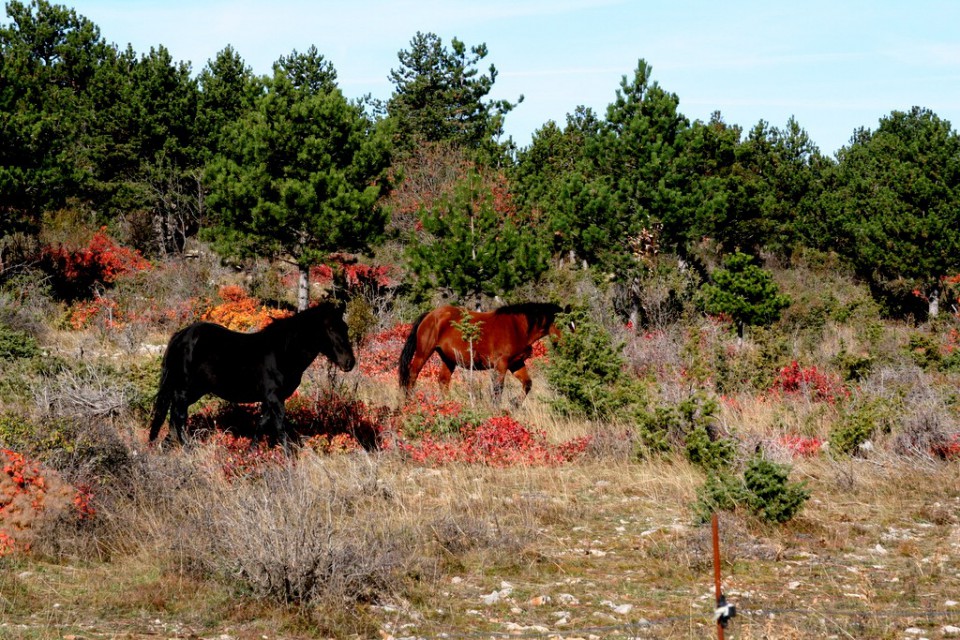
[161,405]
[409,349]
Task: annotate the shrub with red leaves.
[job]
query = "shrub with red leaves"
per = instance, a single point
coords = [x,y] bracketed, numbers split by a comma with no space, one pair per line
[429,414]
[83,312]
[327,445]
[243,458]
[802,446]
[239,311]
[75,272]
[329,415]
[380,352]
[948,449]
[30,495]
[819,386]
[499,441]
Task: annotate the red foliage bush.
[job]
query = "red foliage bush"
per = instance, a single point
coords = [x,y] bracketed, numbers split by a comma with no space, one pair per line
[949,449]
[332,415]
[802,446]
[380,353]
[83,312]
[77,271]
[499,441]
[240,312]
[820,386]
[429,414]
[340,443]
[357,275]
[329,415]
[30,496]
[243,458]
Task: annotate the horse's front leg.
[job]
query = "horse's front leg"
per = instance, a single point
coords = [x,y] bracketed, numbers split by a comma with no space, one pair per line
[520,372]
[271,422]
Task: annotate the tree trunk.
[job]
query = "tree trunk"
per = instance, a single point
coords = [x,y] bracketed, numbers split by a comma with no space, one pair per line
[303,288]
[933,303]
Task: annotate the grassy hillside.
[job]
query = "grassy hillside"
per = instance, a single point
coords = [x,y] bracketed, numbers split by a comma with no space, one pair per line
[469,518]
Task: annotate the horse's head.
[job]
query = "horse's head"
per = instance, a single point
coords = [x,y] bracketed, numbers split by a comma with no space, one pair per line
[337,346]
[556,328]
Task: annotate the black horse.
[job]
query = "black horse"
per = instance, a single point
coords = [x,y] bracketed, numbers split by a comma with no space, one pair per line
[264,367]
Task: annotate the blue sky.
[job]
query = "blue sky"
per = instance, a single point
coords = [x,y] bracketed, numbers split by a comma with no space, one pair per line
[833,65]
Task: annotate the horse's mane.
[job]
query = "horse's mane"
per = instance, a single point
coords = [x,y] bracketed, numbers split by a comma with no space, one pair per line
[537,313]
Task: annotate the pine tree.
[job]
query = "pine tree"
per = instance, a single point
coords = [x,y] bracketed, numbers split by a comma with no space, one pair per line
[301,174]
[474,245]
[745,292]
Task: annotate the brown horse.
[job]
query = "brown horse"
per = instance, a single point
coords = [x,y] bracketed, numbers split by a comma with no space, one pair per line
[503,341]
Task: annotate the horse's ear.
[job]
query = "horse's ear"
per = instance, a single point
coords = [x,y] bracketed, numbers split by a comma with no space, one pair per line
[568,308]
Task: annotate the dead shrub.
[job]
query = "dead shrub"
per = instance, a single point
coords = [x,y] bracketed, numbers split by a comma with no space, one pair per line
[459,533]
[301,535]
[85,392]
[919,405]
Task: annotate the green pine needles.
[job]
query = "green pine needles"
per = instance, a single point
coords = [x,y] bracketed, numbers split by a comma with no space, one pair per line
[764,490]
[586,370]
[744,291]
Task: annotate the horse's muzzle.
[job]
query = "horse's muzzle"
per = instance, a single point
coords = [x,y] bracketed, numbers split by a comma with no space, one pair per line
[347,362]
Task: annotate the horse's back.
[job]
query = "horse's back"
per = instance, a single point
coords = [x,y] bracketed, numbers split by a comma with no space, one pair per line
[214,359]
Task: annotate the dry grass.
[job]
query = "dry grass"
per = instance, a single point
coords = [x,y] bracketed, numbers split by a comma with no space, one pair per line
[420,552]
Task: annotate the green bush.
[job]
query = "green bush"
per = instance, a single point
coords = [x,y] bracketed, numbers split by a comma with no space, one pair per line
[587,371]
[764,490]
[685,426]
[39,440]
[89,448]
[854,368]
[857,426]
[723,491]
[745,292]
[709,453]
[924,351]
[770,495]
[17,344]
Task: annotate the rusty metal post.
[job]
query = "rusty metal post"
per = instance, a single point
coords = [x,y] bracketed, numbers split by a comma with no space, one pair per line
[716,570]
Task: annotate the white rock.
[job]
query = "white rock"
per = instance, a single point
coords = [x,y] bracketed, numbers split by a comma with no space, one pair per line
[950,630]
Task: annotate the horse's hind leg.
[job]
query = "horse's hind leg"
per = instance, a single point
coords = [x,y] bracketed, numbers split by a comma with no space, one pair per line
[416,366]
[446,371]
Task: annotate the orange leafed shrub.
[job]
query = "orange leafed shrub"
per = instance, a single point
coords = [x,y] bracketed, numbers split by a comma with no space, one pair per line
[83,312]
[31,496]
[240,312]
